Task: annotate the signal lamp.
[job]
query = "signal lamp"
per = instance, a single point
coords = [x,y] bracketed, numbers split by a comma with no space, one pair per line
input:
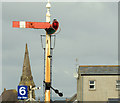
[53,28]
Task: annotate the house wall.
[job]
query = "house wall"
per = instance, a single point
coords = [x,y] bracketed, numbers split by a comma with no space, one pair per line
[105,87]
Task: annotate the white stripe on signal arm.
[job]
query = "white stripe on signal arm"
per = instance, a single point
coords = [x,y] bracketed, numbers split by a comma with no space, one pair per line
[22,24]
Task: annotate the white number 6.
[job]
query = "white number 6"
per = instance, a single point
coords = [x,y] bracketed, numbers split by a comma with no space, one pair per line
[22,91]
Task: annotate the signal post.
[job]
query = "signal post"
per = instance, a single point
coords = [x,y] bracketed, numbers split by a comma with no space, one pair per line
[50,29]
[47,62]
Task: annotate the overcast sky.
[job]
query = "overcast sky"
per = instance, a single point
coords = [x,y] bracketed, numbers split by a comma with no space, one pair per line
[89,32]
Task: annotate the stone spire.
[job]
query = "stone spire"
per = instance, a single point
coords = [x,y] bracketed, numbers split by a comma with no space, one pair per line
[26,78]
[26,65]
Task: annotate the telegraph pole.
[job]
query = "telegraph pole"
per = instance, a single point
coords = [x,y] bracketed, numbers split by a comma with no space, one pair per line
[47,52]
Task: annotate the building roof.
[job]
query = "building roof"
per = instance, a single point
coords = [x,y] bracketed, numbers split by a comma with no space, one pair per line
[9,95]
[99,69]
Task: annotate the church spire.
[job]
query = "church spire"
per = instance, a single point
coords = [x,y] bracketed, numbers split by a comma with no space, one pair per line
[26,65]
[26,78]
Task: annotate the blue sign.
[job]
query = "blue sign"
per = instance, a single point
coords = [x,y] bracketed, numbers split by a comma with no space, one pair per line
[22,92]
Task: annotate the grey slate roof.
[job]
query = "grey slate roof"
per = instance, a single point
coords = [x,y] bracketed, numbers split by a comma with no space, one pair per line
[9,95]
[99,69]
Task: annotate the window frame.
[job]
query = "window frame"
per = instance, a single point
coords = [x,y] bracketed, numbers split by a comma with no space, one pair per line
[94,84]
[118,84]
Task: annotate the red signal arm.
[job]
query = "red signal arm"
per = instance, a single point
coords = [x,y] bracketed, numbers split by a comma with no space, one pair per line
[35,25]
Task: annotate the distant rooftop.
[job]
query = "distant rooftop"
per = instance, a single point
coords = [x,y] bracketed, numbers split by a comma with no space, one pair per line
[99,69]
[9,96]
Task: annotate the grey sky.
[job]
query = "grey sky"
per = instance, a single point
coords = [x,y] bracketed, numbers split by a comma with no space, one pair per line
[89,32]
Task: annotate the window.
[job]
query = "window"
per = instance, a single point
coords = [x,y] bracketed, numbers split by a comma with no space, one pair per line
[91,84]
[118,84]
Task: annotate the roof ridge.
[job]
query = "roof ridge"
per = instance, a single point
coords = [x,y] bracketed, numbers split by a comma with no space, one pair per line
[99,65]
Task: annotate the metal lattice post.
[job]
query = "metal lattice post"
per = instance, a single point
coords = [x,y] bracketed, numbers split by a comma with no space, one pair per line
[44,75]
[43,47]
[51,69]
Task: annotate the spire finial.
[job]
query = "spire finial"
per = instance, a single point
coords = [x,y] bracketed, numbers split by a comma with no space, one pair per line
[26,45]
[48,6]
[26,49]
